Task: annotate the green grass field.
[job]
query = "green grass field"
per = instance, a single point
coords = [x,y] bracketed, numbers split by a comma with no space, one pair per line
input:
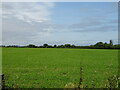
[55,68]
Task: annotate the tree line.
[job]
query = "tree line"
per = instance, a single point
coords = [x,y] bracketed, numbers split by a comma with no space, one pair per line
[98,45]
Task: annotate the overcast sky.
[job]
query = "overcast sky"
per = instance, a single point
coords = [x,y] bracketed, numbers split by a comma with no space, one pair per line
[59,23]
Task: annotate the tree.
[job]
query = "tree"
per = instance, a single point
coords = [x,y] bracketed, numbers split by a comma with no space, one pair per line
[111,43]
[49,46]
[32,46]
[106,45]
[67,45]
[99,45]
[45,45]
[61,46]
[117,46]
[55,46]
[73,46]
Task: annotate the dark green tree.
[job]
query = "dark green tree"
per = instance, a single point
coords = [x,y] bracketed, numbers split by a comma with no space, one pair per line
[55,46]
[73,46]
[45,45]
[106,45]
[99,45]
[32,46]
[111,43]
[67,45]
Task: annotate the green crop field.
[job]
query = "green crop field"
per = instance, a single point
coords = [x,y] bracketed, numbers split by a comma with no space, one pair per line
[57,68]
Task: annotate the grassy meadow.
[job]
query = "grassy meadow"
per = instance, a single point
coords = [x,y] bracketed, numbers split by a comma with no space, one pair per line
[57,67]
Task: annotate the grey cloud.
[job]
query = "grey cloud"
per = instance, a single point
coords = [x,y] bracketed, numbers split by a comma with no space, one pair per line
[98,29]
[86,23]
[94,24]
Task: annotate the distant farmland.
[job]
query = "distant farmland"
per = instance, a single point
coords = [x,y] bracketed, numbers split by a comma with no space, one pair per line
[57,68]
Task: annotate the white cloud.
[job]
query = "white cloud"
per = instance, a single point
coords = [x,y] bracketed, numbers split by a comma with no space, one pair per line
[28,12]
[23,22]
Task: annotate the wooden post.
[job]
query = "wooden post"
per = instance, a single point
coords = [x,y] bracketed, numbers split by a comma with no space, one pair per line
[2,81]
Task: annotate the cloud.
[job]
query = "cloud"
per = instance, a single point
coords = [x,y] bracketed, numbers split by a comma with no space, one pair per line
[96,18]
[24,21]
[95,24]
[28,12]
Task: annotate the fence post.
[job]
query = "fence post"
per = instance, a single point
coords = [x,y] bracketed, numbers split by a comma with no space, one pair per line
[2,81]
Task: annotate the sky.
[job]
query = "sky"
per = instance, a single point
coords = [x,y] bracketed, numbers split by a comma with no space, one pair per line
[78,23]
